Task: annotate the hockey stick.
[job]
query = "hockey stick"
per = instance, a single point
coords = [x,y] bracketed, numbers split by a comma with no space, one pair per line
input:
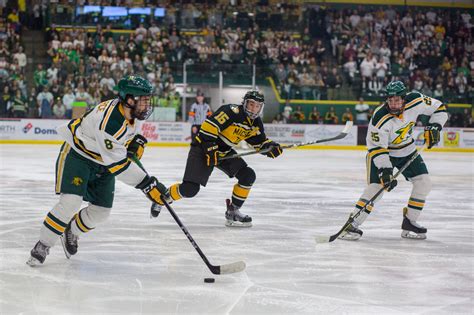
[328,239]
[217,270]
[342,134]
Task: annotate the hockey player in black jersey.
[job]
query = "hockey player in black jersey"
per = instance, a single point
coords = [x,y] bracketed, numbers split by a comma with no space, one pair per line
[226,128]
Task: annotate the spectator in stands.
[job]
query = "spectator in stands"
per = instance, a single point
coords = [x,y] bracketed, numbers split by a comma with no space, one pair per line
[306,84]
[298,115]
[287,112]
[40,76]
[82,95]
[381,69]
[68,100]
[350,69]
[20,57]
[59,110]
[45,101]
[4,68]
[331,117]
[367,68]
[347,116]
[19,105]
[278,119]
[315,116]
[362,112]
[5,101]
[333,84]
[461,85]
[33,109]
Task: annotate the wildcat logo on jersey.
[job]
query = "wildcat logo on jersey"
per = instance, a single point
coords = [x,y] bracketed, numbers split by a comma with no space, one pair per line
[404,133]
[77,181]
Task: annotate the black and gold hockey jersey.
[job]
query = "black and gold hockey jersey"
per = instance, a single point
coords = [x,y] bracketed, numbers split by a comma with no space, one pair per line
[230,125]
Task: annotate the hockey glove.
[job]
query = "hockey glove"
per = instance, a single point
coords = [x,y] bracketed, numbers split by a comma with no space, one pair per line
[136,147]
[432,132]
[211,153]
[275,149]
[154,190]
[386,178]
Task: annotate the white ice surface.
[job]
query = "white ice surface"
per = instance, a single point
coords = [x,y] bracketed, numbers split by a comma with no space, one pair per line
[134,265]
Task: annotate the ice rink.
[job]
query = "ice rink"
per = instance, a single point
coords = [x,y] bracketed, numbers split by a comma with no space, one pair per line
[134,265]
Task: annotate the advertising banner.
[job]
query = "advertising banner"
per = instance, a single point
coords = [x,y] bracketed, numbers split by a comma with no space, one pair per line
[304,133]
[180,133]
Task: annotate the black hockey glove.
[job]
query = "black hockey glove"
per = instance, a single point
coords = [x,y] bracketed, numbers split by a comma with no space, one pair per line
[211,153]
[386,178]
[154,190]
[432,132]
[275,150]
[136,147]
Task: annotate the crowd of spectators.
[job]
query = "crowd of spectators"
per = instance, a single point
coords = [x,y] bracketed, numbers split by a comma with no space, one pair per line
[352,52]
[360,50]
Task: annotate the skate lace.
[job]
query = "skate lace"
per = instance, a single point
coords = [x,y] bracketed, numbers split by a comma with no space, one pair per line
[42,249]
[237,214]
[71,238]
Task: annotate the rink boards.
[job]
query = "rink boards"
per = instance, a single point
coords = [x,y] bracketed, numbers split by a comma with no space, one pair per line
[37,131]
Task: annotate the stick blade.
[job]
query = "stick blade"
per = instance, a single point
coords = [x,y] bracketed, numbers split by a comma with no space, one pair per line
[232,268]
[321,239]
[347,127]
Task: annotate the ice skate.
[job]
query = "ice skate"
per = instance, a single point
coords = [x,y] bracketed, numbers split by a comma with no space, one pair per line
[413,230]
[38,254]
[234,218]
[69,241]
[351,233]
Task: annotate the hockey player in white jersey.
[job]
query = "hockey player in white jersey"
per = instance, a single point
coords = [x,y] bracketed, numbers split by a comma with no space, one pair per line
[97,148]
[390,144]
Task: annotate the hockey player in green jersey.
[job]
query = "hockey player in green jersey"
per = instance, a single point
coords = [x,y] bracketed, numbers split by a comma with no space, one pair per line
[226,128]
[390,144]
[98,147]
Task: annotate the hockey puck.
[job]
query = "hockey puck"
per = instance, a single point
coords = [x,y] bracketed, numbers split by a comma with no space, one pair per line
[209,280]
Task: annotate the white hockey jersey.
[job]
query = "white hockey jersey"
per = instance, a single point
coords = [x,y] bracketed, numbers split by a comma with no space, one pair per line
[102,136]
[392,135]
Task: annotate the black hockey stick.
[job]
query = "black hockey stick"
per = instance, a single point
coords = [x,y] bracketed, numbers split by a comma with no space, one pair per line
[342,134]
[217,270]
[328,239]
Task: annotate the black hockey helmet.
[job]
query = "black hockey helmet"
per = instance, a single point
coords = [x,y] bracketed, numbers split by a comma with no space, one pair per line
[256,96]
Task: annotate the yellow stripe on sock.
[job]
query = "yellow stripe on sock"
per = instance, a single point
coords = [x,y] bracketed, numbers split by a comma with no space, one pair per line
[79,223]
[416,204]
[241,192]
[59,174]
[54,225]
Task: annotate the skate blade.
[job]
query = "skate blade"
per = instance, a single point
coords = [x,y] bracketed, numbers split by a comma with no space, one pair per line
[63,242]
[349,237]
[33,262]
[230,223]
[413,236]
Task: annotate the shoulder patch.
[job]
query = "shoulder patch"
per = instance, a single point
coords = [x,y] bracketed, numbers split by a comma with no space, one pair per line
[235,108]
[413,99]
[412,96]
[115,123]
[379,113]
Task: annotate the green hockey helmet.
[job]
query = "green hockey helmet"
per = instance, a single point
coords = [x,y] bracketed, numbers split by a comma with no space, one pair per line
[394,104]
[134,87]
[256,96]
[396,88]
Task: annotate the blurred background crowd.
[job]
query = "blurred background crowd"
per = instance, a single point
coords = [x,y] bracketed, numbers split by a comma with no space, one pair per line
[54,56]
